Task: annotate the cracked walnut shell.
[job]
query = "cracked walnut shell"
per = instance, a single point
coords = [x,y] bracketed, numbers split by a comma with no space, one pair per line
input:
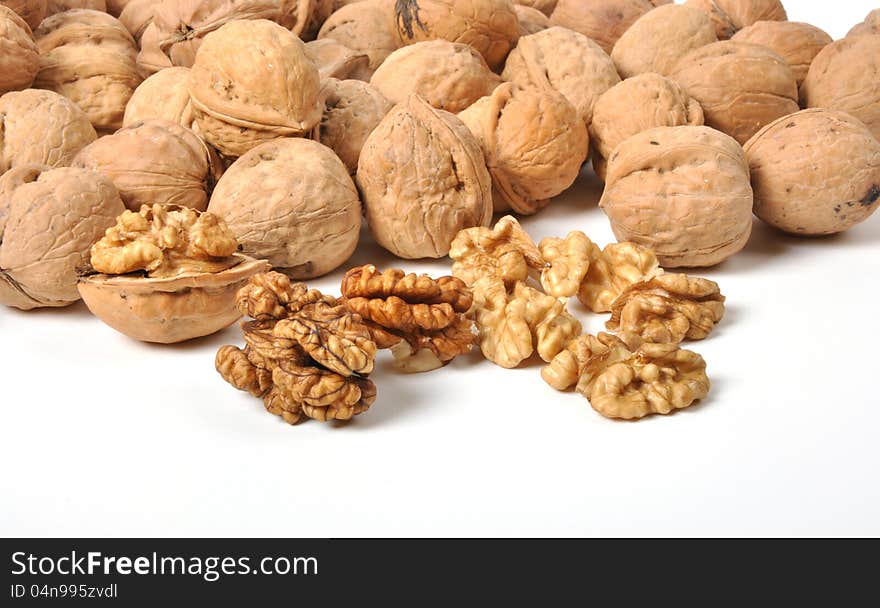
[730,16]
[19,57]
[505,251]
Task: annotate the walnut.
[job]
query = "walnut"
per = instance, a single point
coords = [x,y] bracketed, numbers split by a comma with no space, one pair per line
[19,57]
[659,38]
[533,142]
[683,192]
[425,315]
[490,26]
[568,261]
[730,16]
[505,251]
[235,367]
[335,60]
[352,110]
[604,21]
[871,25]
[155,162]
[423,178]
[31,11]
[367,26]
[324,395]
[137,16]
[252,82]
[272,295]
[563,61]
[41,127]
[59,6]
[612,270]
[291,202]
[797,43]
[512,325]
[815,172]
[531,20]
[582,356]
[844,76]
[668,309]
[740,86]
[115,7]
[543,6]
[448,75]
[53,218]
[635,105]
[163,95]
[90,58]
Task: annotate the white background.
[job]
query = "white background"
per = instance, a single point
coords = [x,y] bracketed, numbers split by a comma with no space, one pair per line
[101,435]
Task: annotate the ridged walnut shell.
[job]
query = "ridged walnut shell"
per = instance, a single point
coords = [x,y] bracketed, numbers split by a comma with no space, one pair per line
[252,82]
[659,38]
[19,57]
[566,62]
[637,104]
[534,144]
[545,7]
[292,202]
[730,16]
[89,57]
[163,95]
[448,75]
[871,25]
[169,310]
[32,11]
[797,43]
[137,17]
[682,192]
[335,60]
[489,26]
[603,21]
[740,86]
[845,76]
[54,216]
[423,179]
[366,26]
[815,172]
[531,20]
[155,161]
[59,6]
[41,127]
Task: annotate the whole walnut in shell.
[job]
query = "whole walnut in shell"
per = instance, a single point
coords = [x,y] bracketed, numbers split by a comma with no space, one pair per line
[635,105]
[545,7]
[797,43]
[155,161]
[335,60]
[367,26]
[41,127]
[89,57]
[448,75]
[740,86]
[845,76]
[871,25]
[490,26]
[682,192]
[730,16]
[54,216]
[533,142]
[423,178]
[603,21]
[292,202]
[59,6]
[815,172]
[659,38]
[531,20]
[252,82]
[163,95]
[32,11]
[566,62]
[352,109]
[19,58]
[137,17]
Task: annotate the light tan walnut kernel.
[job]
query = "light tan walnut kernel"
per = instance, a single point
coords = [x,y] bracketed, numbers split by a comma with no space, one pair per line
[505,251]
[568,261]
[612,270]
[583,355]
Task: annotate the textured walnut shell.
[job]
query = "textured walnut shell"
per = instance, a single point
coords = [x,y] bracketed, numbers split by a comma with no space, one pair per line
[740,86]
[449,76]
[730,16]
[115,7]
[659,38]
[682,192]
[871,25]
[845,75]
[292,202]
[155,161]
[603,21]
[489,26]
[54,216]
[815,172]
[797,43]
[59,6]
[137,16]
[533,142]
[531,20]
[423,178]
[352,109]
[32,11]
[635,105]
[163,95]
[89,57]
[171,310]
[545,7]
[19,57]
[566,62]
[41,127]
[252,82]
[335,60]
[366,26]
